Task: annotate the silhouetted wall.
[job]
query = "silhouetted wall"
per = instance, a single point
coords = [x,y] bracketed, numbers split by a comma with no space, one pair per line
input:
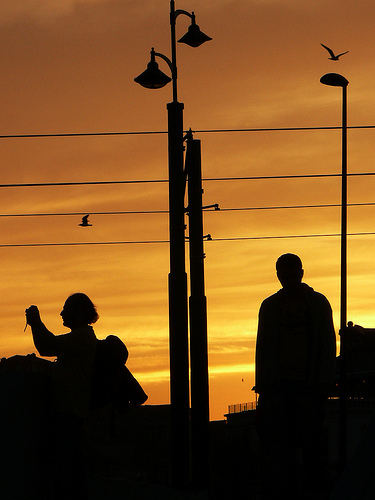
[24,451]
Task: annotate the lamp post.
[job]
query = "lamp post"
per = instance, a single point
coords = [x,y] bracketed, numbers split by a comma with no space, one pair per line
[336,80]
[178,306]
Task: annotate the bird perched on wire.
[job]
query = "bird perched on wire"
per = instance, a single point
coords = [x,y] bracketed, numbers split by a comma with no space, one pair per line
[332,54]
[85,221]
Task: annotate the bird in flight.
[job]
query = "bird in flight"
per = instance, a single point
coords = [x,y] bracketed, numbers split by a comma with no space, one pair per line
[333,56]
[85,221]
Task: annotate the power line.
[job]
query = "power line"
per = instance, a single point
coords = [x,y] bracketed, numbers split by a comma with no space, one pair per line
[88,243]
[160,181]
[81,183]
[59,214]
[162,212]
[142,242]
[290,176]
[80,134]
[281,129]
[287,207]
[158,132]
[291,236]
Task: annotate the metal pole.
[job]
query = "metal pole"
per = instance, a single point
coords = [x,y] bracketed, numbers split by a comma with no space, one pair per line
[343,306]
[173,49]
[336,80]
[178,309]
[178,303]
[198,322]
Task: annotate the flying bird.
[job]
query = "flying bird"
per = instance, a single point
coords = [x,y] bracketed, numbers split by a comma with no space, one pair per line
[333,56]
[85,221]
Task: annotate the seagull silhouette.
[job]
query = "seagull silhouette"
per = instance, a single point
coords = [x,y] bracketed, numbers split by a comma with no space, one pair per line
[85,221]
[333,56]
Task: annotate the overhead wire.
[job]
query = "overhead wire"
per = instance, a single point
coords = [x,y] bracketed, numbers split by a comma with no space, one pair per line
[141,242]
[162,212]
[69,214]
[200,131]
[161,181]
[144,212]
[301,176]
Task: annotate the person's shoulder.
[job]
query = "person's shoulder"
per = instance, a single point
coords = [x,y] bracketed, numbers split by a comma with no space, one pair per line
[87,330]
[315,295]
[85,333]
[271,300]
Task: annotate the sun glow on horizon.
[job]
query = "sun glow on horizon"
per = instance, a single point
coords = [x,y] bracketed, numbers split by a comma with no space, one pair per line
[70,69]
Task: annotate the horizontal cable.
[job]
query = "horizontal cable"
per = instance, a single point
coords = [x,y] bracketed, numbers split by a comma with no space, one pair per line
[81,183]
[291,176]
[287,207]
[282,129]
[142,242]
[76,214]
[202,131]
[328,235]
[80,134]
[158,212]
[87,243]
[146,181]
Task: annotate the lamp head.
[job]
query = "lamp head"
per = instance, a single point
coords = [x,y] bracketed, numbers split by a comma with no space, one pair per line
[334,80]
[153,77]
[194,36]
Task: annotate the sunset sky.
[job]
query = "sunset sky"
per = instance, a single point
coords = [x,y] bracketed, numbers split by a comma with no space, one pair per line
[68,67]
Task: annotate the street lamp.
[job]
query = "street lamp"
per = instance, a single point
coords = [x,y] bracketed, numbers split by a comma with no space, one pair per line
[153,78]
[336,80]
[178,305]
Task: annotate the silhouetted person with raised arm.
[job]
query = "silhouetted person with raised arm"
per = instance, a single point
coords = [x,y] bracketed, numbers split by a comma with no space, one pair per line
[70,390]
[294,371]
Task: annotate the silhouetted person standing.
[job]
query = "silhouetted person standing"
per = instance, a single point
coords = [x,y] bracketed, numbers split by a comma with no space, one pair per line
[70,391]
[295,365]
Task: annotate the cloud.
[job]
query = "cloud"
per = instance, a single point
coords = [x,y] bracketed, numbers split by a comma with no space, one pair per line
[44,11]
[232,369]
[38,9]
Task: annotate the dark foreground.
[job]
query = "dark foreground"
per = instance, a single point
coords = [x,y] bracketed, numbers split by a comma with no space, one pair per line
[115,489]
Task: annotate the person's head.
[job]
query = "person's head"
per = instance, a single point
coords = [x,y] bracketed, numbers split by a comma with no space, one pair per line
[289,271]
[78,311]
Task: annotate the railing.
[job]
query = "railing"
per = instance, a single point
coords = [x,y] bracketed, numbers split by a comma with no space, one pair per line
[238,408]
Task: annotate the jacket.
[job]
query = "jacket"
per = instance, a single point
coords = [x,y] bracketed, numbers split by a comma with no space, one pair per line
[322,341]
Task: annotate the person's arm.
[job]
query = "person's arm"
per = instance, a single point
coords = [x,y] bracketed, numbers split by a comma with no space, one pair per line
[327,350]
[261,351]
[44,340]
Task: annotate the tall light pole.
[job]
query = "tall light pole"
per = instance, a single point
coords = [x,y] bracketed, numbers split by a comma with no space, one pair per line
[336,80]
[178,306]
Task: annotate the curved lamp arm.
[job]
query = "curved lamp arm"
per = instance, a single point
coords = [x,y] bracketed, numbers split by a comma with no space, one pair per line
[177,12]
[166,59]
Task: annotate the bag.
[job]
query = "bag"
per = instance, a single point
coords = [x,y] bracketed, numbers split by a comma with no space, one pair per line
[112,382]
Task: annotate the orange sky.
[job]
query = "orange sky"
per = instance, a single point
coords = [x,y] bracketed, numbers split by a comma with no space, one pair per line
[68,67]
